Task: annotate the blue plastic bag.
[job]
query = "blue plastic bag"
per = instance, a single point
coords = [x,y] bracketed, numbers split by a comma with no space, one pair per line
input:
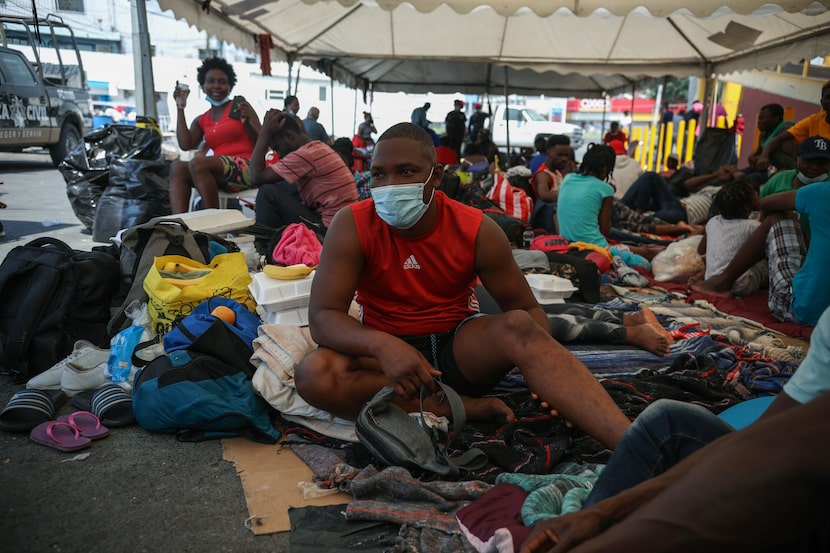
[120,362]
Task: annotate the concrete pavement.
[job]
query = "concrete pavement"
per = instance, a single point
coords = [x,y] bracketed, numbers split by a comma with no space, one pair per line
[136,491]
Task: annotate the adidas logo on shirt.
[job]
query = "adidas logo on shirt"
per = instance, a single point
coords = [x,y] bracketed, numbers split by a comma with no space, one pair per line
[411,263]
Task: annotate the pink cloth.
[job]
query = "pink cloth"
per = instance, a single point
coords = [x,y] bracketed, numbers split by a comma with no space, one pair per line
[298,244]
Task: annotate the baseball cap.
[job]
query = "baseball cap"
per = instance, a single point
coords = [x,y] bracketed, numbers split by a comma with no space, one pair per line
[618,147]
[813,147]
[477,105]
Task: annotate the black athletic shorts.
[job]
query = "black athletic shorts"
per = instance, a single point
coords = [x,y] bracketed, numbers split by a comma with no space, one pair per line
[437,348]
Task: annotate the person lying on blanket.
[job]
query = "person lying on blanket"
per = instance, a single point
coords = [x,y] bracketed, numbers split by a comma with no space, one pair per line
[413,256]
[572,322]
[682,479]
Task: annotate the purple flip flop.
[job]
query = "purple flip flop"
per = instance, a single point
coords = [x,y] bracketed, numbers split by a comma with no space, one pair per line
[59,435]
[87,424]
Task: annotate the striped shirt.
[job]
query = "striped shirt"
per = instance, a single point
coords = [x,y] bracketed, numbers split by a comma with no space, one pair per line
[324,182]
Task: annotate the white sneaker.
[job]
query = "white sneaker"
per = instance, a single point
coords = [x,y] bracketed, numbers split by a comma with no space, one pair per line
[86,351]
[85,371]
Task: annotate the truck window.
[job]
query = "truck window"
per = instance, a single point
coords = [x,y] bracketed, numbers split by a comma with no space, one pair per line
[52,73]
[513,114]
[16,71]
[533,115]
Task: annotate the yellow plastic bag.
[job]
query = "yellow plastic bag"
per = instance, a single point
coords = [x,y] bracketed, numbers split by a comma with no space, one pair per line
[175,285]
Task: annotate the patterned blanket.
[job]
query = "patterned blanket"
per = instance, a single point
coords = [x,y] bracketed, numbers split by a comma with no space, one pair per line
[730,358]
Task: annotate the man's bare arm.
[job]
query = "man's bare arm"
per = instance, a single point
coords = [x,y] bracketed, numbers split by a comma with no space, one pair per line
[762,162]
[501,276]
[544,187]
[782,201]
[257,172]
[332,290]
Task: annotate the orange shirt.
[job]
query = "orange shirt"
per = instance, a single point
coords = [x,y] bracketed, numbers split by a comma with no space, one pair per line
[813,125]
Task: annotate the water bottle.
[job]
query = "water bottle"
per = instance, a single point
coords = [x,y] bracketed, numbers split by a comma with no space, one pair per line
[527,237]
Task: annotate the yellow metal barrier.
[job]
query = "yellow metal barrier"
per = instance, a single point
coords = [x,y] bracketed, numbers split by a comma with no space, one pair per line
[656,142]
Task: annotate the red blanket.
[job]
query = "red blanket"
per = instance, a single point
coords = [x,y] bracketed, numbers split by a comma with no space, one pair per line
[752,307]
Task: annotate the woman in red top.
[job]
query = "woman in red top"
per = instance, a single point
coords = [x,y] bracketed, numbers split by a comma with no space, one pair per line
[231,136]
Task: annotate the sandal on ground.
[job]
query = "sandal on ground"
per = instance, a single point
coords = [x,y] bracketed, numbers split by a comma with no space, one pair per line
[110,403]
[28,408]
[59,435]
[87,424]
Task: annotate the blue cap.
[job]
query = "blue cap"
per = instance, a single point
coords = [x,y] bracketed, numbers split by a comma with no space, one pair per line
[813,147]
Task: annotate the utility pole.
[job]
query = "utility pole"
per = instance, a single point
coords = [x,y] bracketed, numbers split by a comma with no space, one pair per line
[145,97]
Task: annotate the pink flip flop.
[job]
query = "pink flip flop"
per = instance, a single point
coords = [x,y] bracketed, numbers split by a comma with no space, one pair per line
[87,424]
[59,435]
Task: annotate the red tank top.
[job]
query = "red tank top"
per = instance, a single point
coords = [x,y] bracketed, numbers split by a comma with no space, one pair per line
[226,137]
[555,177]
[419,285]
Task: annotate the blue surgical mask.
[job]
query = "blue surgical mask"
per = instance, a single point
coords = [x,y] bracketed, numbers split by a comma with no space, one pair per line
[213,102]
[804,179]
[402,205]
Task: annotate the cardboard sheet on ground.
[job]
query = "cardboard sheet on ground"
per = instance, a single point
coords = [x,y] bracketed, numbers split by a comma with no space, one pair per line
[270,475]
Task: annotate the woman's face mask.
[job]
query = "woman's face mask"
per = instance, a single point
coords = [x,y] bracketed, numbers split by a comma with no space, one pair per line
[402,205]
[222,102]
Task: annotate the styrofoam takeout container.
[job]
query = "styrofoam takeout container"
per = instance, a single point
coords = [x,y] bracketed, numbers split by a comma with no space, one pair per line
[280,295]
[293,317]
[550,288]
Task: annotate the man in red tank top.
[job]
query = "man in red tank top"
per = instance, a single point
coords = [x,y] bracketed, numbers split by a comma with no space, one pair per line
[412,256]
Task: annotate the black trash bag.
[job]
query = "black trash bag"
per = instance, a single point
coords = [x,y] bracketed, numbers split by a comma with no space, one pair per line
[138,191]
[715,149]
[85,184]
[124,141]
[86,166]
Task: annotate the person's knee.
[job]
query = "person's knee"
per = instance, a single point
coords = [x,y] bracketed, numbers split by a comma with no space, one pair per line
[667,417]
[518,327]
[313,379]
[204,163]
[265,203]
[180,173]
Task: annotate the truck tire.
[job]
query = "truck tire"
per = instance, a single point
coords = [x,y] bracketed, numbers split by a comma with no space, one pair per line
[70,136]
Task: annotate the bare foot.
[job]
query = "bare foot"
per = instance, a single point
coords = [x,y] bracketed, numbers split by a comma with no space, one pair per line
[647,337]
[638,317]
[711,286]
[487,409]
[646,316]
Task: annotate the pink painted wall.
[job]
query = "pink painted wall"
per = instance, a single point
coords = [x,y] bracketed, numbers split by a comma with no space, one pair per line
[752,100]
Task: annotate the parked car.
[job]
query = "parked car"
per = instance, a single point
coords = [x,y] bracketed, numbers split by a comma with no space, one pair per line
[44,97]
[525,124]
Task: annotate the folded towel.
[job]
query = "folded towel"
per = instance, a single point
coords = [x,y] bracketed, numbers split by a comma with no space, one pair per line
[298,244]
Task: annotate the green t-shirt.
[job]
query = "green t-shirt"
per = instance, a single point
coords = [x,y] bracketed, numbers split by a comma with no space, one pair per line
[782,181]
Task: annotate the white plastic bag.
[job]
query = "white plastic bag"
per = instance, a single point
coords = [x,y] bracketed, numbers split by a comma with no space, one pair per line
[679,262]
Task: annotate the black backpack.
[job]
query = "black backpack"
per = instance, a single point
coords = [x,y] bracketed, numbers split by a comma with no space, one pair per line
[52,296]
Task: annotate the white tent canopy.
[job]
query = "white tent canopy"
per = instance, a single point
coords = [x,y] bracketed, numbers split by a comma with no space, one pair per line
[555,47]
